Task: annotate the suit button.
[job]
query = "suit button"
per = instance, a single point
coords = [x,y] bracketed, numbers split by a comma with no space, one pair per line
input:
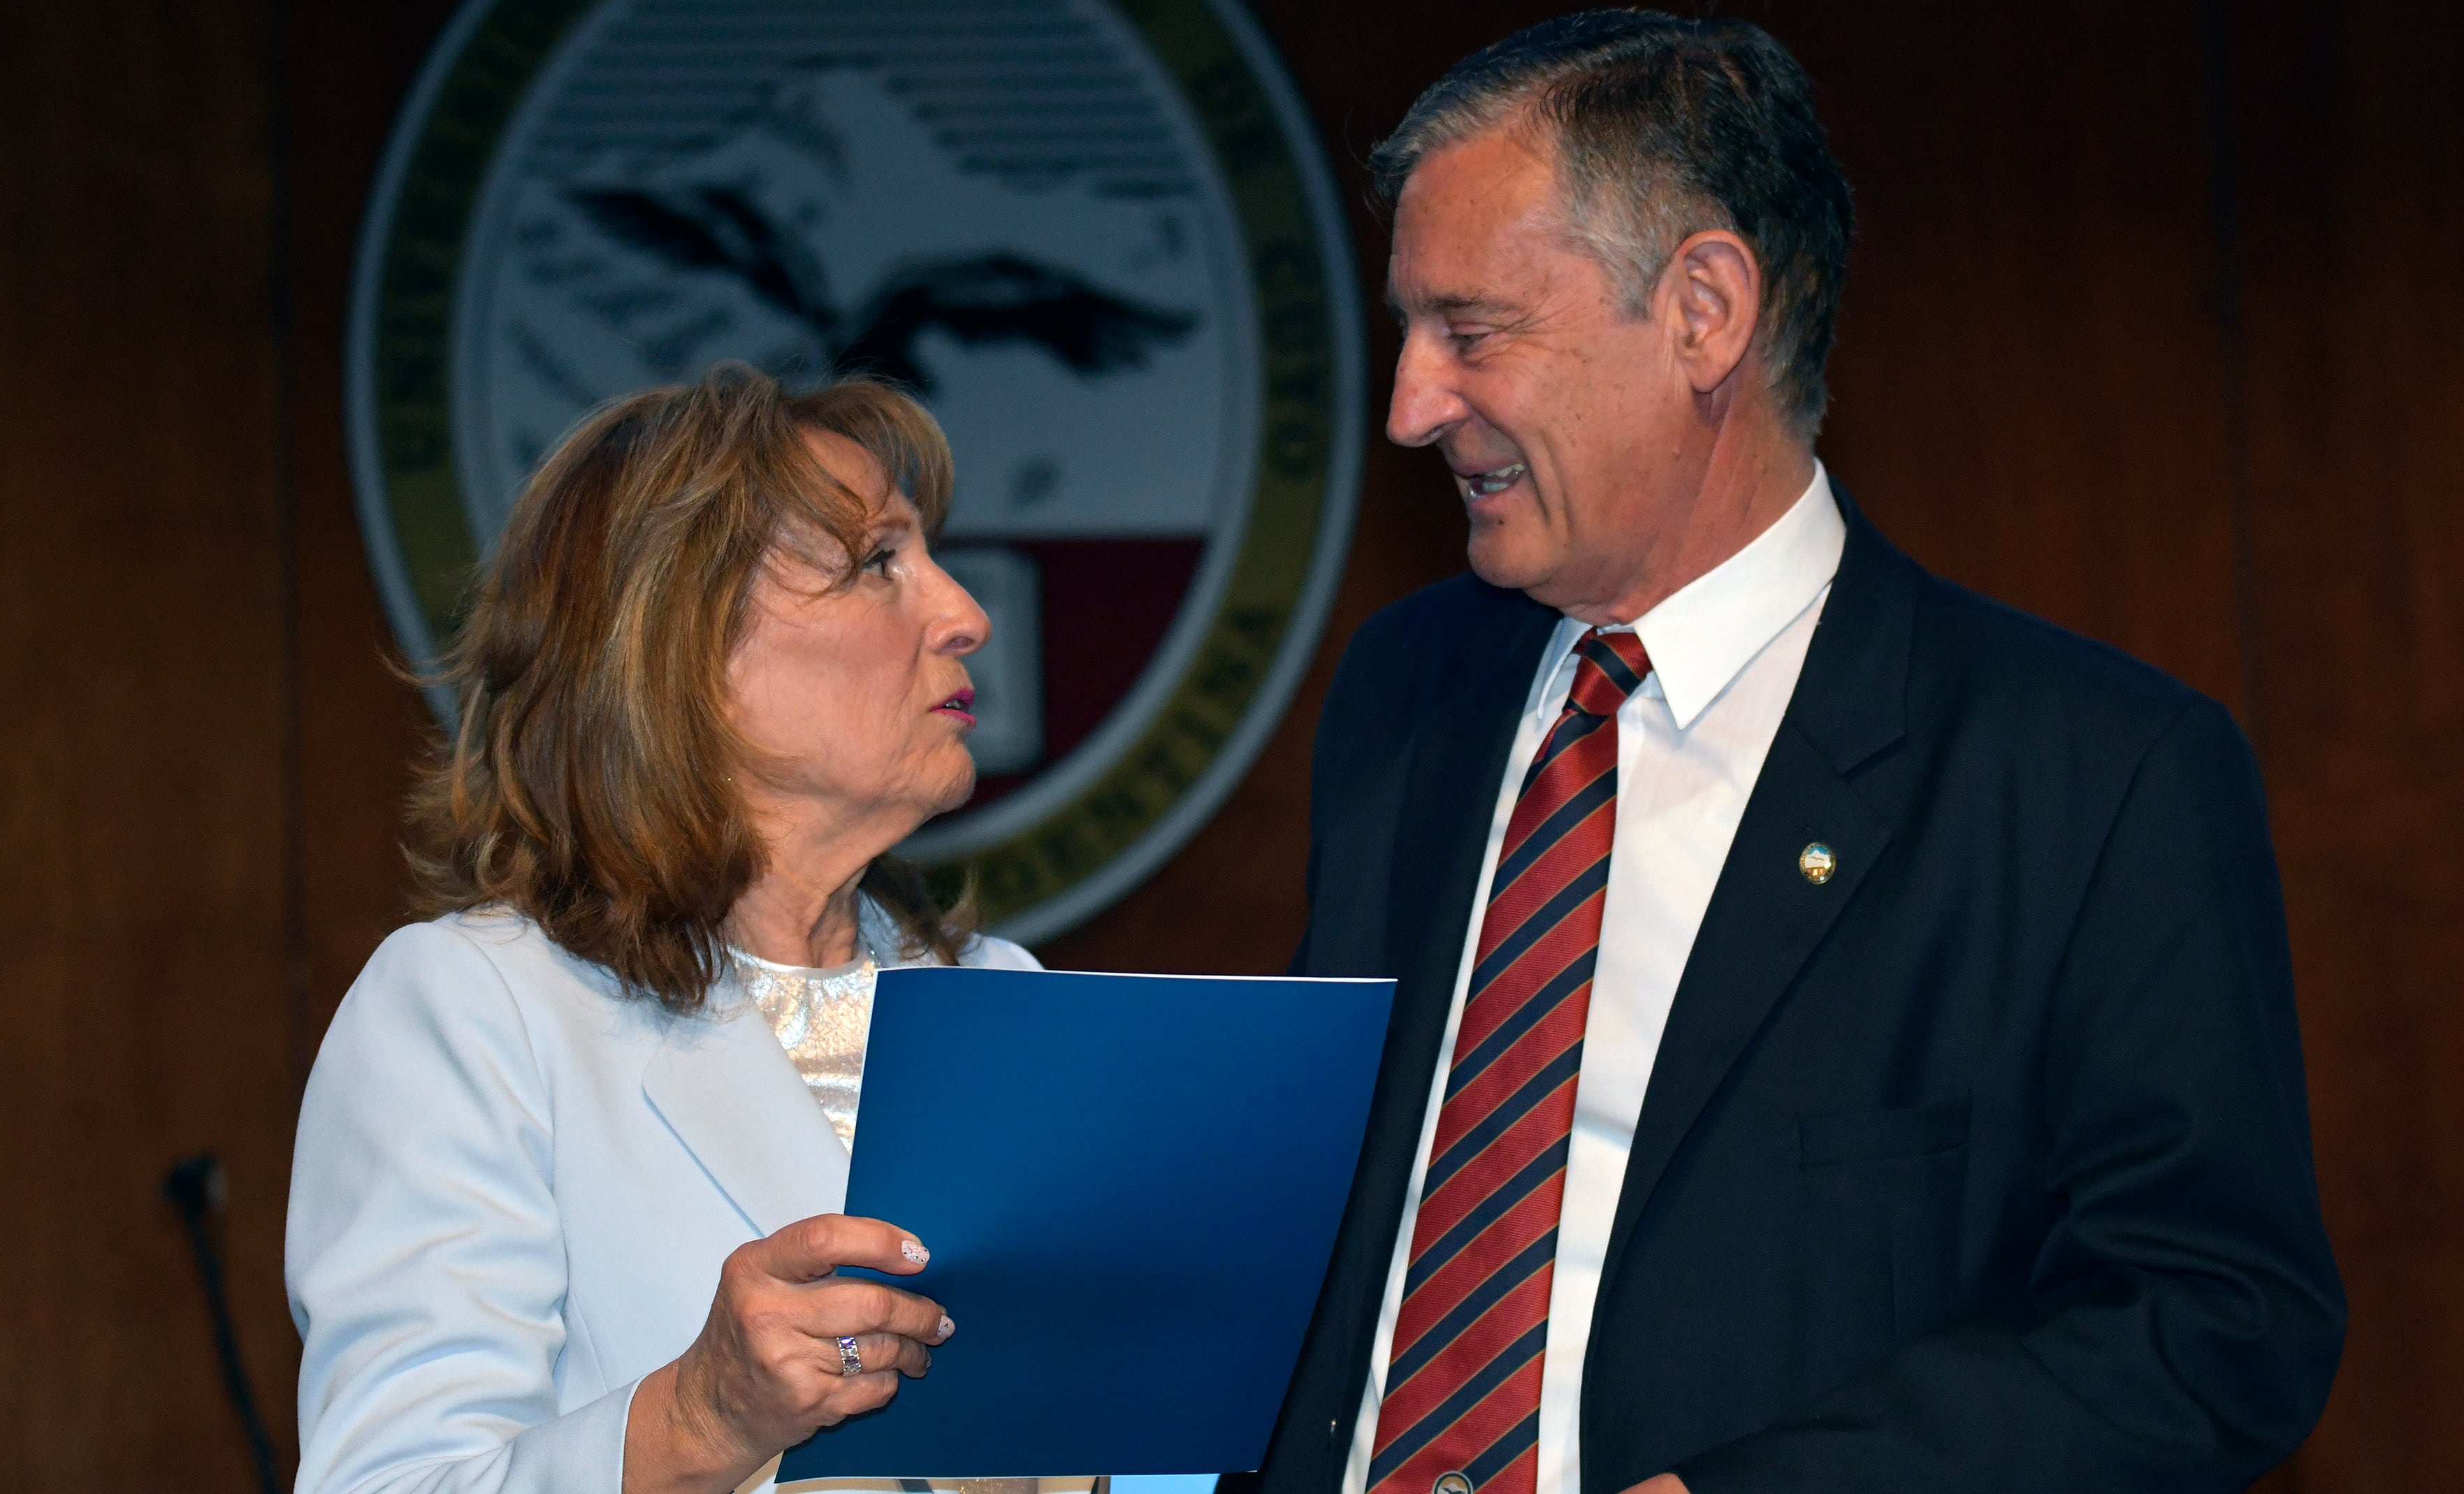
[1818,863]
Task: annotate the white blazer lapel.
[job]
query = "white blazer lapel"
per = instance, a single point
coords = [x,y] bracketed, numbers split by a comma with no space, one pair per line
[729,1092]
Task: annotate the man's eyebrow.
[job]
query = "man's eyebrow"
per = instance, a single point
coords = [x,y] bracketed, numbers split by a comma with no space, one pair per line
[1455,304]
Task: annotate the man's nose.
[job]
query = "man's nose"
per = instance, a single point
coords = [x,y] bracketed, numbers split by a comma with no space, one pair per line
[1425,404]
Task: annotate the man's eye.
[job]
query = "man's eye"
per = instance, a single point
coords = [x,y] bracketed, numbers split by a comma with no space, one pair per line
[1464,340]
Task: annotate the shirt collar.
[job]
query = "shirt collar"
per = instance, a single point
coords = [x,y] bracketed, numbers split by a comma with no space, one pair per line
[1711,628]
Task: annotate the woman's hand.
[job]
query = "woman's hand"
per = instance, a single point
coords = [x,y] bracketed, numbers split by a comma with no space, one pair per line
[767,1370]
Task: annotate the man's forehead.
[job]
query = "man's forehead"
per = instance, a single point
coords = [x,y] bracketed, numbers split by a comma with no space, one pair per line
[1469,224]
[1474,270]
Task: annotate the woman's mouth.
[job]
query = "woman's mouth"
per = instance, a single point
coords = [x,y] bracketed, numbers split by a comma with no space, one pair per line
[960,704]
[1484,485]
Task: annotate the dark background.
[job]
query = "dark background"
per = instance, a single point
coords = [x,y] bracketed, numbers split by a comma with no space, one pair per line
[2156,327]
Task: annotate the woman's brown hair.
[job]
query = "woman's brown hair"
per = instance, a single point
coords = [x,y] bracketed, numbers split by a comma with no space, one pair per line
[587,784]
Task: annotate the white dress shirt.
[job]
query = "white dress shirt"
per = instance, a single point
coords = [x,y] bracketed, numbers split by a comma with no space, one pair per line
[1726,651]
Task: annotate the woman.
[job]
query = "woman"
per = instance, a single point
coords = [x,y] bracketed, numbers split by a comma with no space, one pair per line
[565,1204]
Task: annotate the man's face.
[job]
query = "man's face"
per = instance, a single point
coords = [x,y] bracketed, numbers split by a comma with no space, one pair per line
[1562,417]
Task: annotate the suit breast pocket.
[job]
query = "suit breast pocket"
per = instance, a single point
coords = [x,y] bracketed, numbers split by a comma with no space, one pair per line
[1887,1186]
[1879,1135]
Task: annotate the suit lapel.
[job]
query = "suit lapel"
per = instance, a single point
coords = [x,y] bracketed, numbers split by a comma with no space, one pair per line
[1766,919]
[1456,759]
[1450,767]
[731,1095]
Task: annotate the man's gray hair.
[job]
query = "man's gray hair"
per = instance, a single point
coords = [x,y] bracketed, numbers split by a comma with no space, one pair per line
[1661,128]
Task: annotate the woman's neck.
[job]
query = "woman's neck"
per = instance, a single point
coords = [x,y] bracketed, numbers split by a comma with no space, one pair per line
[791,924]
[802,908]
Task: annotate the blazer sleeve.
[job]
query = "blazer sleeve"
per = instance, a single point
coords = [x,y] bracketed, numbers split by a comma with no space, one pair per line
[2185,1316]
[1363,697]
[423,1256]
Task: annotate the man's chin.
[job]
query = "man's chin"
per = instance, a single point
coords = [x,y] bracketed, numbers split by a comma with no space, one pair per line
[1498,559]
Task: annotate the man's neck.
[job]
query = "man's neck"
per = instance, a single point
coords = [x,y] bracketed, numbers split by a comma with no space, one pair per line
[1745,489]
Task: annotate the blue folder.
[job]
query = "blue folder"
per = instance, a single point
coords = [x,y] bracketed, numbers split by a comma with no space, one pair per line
[1130,1186]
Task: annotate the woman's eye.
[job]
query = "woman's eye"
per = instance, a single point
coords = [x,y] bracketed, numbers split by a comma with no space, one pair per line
[878,561]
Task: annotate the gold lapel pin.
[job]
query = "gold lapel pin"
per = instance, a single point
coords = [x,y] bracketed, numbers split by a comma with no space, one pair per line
[1818,863]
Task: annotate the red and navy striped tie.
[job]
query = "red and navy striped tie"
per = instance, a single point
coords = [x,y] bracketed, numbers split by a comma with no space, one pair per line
[1461,1405]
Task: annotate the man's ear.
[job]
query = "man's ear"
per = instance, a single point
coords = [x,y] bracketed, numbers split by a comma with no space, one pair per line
[1711,294]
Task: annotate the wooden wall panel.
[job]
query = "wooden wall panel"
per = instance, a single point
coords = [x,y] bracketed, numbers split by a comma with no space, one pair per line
[2350,187]
[361,724]
[2028,396]
[143,807]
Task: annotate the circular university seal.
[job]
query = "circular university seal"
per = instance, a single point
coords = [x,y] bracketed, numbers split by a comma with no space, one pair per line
[1098,239]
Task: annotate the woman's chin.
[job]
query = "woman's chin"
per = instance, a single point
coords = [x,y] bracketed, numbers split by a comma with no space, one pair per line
[962,787]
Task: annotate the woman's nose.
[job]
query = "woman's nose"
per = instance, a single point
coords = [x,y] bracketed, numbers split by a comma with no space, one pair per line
[964,624]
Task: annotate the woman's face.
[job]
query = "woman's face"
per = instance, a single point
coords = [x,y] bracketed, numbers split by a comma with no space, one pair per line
[854,697]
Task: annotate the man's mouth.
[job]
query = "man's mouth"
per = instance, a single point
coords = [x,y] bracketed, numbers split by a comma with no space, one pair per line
[1488,484]
[960,704]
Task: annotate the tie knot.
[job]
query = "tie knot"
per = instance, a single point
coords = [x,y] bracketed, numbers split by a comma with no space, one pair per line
[1607,667]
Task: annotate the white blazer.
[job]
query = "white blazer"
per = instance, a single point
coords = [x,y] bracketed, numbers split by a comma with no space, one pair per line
[512,1194]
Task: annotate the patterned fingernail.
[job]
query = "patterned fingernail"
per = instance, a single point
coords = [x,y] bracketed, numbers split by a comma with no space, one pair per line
[913,1250]
[948,1327]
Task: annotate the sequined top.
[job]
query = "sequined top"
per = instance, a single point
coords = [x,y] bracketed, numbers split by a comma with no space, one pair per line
[821,1017]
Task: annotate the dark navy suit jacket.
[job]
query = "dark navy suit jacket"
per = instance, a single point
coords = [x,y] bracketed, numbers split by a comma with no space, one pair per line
[1983,1166]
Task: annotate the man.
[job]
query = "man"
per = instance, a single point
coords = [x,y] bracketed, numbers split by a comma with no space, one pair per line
[1845,1038]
